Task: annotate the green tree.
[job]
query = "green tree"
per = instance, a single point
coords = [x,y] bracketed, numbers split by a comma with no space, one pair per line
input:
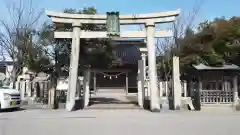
[182,32]
[209,45]
[96,53]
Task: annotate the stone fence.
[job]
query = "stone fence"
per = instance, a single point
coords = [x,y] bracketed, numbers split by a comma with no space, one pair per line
[165,89]
[165,92]
[32,89]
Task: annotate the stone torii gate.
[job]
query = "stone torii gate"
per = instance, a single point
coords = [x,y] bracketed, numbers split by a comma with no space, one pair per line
[149,20]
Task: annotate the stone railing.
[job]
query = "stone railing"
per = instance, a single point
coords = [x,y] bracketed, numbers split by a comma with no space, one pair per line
[217,97]
[165,93]
[32,89]
[165,89]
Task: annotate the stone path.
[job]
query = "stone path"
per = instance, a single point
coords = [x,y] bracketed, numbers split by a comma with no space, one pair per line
[120,122]
[113,99]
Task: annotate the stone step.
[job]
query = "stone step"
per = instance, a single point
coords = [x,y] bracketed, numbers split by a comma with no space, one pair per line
[111,91]
[113,98]
[112,106]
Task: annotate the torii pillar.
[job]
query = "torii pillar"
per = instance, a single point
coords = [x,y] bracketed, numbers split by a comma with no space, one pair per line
[73,70]
[154,98]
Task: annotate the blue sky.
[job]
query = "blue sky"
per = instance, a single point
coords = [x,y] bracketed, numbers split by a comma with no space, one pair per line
[209,9]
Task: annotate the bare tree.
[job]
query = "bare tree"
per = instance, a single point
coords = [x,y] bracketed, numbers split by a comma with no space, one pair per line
[186,21]
[169,47]
[166,48]
[14,35]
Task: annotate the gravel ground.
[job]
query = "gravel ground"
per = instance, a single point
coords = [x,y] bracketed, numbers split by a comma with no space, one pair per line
[119,122]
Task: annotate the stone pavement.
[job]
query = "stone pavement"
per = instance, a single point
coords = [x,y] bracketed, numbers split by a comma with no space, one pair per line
[115,99]
[119,122]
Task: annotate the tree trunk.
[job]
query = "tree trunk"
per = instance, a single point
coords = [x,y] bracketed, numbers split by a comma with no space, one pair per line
[53,97]
[14,76]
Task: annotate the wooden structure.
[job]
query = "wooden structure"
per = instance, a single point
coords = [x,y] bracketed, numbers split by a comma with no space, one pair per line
[123,74]
[217,85]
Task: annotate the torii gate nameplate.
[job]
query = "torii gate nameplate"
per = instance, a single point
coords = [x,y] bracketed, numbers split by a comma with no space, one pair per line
[113,24]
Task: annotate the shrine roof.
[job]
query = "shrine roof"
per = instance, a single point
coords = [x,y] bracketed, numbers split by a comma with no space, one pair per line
[223,67]
[128,50]
[124,41]
[128,54]
[127,40]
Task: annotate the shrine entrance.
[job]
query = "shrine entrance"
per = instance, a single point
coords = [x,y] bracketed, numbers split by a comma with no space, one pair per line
[113,20]
[111,80]
[111,90]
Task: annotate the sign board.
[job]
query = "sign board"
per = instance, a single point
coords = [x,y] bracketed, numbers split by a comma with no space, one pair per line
[113,24]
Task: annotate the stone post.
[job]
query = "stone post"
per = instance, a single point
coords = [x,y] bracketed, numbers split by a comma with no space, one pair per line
[197,98]
[41,89]
[78,91]
[22,90]
[34,85]
[185,89]
[17,85]
[28,88]
[160,90]
[86,89]
[176,84]
[143,55]
[235,90]
[140,83]
[95,83]
[73,73]
[154,97]
[126,83]
[51,96]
